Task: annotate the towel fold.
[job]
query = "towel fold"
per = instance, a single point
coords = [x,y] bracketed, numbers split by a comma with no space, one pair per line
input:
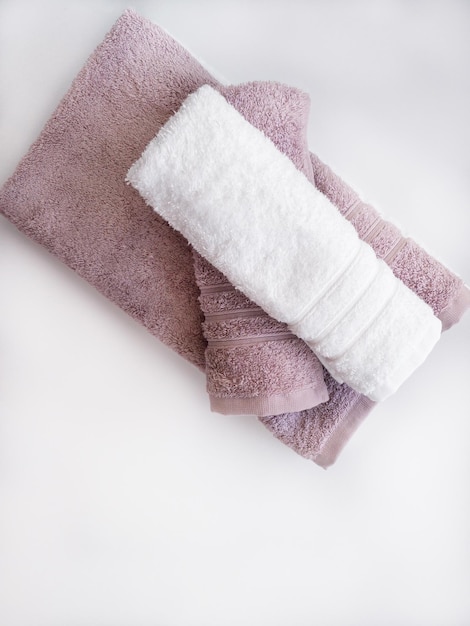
[244,206]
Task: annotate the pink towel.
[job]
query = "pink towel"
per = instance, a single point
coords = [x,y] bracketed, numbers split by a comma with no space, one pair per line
[68,194]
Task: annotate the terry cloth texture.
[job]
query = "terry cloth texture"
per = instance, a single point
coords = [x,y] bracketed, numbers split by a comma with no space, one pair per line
[68,194]
[254,364]
[244,206]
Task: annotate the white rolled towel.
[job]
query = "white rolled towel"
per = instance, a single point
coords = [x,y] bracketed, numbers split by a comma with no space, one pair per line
[244,206]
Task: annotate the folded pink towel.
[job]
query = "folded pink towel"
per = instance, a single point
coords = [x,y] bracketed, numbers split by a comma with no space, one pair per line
[101,228]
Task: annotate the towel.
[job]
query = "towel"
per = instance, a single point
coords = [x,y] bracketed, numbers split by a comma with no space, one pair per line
[68,192]
[103,230]
[244,206]
[254,364]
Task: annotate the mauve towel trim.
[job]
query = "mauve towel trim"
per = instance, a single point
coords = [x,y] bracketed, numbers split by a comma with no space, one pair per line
[352,209]
[249,340]
[271,405]
[454,310]
[343,431]
[235,313]
[219,288]
[377,226]
[395,249]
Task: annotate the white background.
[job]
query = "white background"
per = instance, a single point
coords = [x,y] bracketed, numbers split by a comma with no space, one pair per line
[123,500]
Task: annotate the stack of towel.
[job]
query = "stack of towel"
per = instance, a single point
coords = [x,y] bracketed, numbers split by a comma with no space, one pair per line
[232,243]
